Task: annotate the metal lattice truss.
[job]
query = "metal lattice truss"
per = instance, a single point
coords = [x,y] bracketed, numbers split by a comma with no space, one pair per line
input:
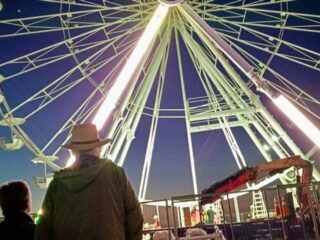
[85,44]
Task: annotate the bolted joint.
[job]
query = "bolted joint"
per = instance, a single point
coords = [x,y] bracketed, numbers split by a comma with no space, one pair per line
[262,85]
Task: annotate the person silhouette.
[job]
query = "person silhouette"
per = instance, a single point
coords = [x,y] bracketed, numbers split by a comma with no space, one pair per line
[91,199]
[15,203]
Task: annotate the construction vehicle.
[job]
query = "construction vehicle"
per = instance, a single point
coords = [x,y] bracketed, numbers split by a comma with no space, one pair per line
[251,174]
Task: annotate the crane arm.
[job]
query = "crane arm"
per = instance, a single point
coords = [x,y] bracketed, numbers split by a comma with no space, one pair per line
[249,174]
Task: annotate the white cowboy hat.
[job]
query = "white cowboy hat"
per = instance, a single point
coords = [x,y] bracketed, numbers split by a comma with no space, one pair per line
[85,137]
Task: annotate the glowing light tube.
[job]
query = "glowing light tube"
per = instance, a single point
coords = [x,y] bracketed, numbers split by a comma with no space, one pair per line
[134,60]
[298,118]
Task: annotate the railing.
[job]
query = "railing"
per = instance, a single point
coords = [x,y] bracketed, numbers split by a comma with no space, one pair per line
[283,219]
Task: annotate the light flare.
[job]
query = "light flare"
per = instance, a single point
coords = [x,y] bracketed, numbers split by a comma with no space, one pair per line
[133,62]
[71,160]
[298,118]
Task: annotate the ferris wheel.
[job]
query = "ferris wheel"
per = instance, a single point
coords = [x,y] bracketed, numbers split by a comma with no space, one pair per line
[223,63]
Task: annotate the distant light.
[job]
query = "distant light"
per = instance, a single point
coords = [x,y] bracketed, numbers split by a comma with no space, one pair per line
[19,11]
[298,118]
[40,212]
[37,218]
[266,147]
[275,138]
[129,69]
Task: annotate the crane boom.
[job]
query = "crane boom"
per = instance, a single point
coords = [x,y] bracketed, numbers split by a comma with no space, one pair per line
[250,174]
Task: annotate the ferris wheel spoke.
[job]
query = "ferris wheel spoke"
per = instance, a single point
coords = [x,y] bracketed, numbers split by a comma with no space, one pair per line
[272,22]
[80,3]
[20,27]
[238,25]
[241,4]
[146,5]
[46,24]
[86,109]
[39,59]
[310,23]
[225,24]
[284,85]
[303,58]
[56,89]
[296,94]
[308,58]
[72,46]
[90,64]
[210,5]
[44,50]
[203,76]
[262,67]
[294,52]
[213,101]
[312,18]
[231,11]
[49,23]
[83,112]
[197,52]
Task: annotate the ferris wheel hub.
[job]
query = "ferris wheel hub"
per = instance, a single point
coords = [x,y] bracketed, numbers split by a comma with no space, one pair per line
[170,3]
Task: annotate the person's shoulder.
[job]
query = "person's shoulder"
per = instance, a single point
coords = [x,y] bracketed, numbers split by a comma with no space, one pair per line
[61,171]
[74,171]
[109,163]
[112,167]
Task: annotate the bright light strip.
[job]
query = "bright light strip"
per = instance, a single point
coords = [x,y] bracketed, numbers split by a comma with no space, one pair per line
[133,62]
[298,118]
[130,67]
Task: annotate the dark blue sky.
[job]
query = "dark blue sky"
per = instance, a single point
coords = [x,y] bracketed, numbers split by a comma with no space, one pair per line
[170,172]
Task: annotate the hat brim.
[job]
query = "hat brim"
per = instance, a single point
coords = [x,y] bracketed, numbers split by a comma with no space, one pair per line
[86,146]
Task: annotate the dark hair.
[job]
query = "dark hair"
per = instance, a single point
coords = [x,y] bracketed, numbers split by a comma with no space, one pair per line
[15,197]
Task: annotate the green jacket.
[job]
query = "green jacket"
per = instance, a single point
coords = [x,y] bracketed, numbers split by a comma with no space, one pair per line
[93,203]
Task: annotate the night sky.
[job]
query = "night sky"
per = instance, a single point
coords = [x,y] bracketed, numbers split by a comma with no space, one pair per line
[170,172]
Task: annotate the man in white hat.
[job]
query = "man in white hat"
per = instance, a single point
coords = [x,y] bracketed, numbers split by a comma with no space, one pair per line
[92,199]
